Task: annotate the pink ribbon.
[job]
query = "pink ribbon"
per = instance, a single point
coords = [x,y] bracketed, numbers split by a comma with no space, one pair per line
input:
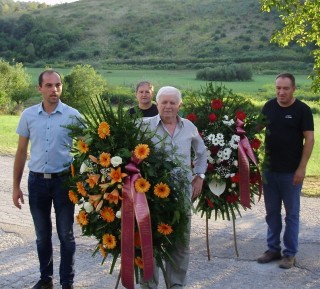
[245,151]
[134,204]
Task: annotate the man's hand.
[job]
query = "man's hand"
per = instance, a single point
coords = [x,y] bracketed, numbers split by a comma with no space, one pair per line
[17,196]
[299,176]
[197,183]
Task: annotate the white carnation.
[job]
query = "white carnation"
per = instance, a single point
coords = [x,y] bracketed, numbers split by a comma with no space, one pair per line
[88,207]
[84,168]
[116,161]
[118,214]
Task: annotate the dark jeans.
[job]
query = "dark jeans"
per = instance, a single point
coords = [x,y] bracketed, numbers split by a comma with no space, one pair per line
[42,193]
[278,189]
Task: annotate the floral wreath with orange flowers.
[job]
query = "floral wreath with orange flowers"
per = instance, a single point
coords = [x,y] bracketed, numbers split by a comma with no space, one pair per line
[128,196]
[230,127]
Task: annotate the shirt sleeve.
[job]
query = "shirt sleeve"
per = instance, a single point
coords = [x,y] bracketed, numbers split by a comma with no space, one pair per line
[200,152]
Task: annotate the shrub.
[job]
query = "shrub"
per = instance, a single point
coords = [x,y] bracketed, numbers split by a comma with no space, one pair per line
[230,72]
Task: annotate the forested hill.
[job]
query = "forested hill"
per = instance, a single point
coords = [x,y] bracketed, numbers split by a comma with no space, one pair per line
[145,33]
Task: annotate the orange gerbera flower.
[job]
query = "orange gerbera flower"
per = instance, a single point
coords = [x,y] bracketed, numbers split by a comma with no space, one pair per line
[161,190]
[103,251]
[141,151]
[104,159]
[142,185]
[103,130]
[116,175]
[164,229]
[82,147]
[81,189]
[73,197]
[113,197]
[107,214]
[72,170]
[139,262]
[93,180]
[109,240]
[82,218]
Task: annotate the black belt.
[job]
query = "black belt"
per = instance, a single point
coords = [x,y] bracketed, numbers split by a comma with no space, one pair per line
[50,176]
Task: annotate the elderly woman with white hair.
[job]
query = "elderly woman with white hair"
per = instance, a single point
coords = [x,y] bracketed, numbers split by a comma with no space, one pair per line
[180,136]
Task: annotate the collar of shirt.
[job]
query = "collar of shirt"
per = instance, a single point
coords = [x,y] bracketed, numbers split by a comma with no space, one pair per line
[59,107]
[158,120]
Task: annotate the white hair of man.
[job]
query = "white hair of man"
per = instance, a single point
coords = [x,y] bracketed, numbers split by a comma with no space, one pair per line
[169,90]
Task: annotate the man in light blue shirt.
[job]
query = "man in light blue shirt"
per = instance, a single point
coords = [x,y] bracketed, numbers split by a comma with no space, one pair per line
[180,136]
[50,159]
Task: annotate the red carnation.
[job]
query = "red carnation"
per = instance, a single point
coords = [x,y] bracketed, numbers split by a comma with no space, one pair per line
[212,117]
[210,167]
[232,199]
[235,178]
[255,143]
[216,104]
[255,178]
[240,115]
[214,150]
[192,117]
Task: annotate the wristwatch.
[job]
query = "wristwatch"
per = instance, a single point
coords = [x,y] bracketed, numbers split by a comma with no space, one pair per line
[202,176]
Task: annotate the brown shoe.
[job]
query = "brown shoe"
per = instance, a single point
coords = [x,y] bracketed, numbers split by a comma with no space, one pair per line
[269,256]
[287,262]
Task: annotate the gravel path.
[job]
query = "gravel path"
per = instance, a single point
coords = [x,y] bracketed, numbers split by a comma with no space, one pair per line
[19,265]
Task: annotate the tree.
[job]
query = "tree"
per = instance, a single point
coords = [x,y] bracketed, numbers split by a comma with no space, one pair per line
[14,81]
[301,21]
[83,83]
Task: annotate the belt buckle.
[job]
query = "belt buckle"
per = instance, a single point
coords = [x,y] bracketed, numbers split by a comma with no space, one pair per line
[47,176]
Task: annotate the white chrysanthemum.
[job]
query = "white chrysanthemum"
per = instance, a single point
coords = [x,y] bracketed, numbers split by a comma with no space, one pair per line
[220,154]
[220,136]
[235,163]
[221,143]
[215,142]
[116,161]
[235,138]
[227,152]
[88,207]
[233,145]
[211,137]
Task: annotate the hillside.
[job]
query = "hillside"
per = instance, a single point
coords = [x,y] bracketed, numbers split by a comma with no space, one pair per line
[147,33]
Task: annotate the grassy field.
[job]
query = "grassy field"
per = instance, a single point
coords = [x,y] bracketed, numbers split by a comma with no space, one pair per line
[185,79]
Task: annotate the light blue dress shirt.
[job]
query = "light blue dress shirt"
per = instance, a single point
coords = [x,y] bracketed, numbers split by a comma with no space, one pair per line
[50,143]
[185,139]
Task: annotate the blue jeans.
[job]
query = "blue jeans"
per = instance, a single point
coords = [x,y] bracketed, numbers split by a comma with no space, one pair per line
[278,188]
[42,193]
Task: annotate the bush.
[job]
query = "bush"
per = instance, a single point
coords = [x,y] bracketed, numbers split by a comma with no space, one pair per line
[231,72]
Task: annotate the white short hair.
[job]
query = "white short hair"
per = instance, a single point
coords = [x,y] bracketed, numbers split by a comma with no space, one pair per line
[165,90]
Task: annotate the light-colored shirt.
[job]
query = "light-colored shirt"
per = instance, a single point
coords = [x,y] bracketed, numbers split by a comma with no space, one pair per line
[50,142]
[185,138]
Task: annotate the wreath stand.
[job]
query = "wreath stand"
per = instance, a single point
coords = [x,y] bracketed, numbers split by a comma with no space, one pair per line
[234,237]
[119,277]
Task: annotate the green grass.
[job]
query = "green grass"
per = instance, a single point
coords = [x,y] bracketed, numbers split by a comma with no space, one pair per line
[182,79]
[8,136]
[314,163]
